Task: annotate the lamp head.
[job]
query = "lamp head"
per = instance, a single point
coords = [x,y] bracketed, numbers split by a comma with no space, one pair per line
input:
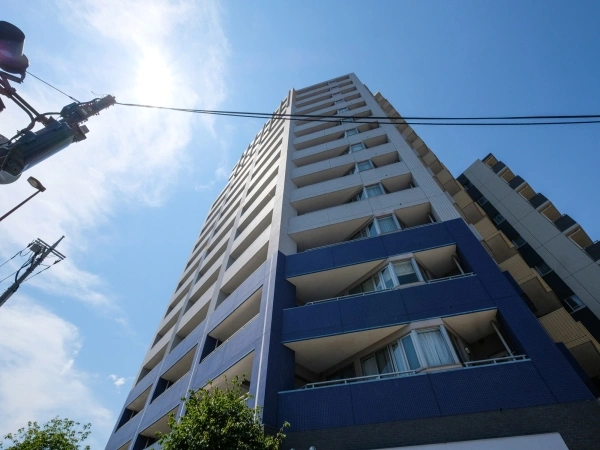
[36,184]
[12,59]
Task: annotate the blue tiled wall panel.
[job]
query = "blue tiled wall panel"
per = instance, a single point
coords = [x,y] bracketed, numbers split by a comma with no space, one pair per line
[451,297]
[506,386]
[320,319]
[371,311]
[316,408]
[276,373]
[165,402]
[462,391]
[394,399]
[559,376]
[226,355]
[445,298]
[124,434]
[434,235]
[368,249]
[309,262]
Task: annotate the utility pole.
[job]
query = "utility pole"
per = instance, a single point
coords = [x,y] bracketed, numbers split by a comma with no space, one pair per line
[40,251]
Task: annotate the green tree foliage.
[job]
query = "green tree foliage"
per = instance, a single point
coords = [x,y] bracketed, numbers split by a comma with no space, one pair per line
[58,434]
[219,419]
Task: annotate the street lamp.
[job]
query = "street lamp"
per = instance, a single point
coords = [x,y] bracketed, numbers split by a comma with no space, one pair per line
[39,188]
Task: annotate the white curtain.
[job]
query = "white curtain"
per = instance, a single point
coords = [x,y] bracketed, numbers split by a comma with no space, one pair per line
[387,224]
[434,348]
[374,191]
[370,366]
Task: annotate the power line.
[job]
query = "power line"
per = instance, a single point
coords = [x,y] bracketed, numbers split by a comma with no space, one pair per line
[570,119]
[20,252]
[53,87]
[392,120]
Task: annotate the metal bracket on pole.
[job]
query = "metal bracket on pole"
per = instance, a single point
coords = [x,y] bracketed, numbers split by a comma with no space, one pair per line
[41,250]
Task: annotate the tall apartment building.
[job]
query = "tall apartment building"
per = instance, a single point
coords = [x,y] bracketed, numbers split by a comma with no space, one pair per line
[336,271]
[552,244]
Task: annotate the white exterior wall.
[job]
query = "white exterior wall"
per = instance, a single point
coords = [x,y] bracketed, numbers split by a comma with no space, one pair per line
[567,259]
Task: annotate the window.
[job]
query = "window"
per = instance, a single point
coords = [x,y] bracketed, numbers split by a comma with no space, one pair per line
[357,147]
[339,101]
[384,224]
[419,349]
[368,192]
[482,200]
[498,219]
[346,372]
[543,269]
[573,303]
[467,184]
[342,110]
[393,274]
[360,167]
[351,132]
[519,241]
[405,272]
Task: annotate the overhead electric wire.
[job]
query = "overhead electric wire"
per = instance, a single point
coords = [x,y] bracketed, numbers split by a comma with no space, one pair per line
[431,121]
[53,87]
[4,279]
[20,252]
[392,120]
[47,267]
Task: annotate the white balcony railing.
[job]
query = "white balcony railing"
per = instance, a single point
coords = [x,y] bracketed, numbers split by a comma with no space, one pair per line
[483,362]
[417,283]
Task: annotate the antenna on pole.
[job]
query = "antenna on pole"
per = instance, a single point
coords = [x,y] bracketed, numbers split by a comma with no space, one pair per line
[40,251]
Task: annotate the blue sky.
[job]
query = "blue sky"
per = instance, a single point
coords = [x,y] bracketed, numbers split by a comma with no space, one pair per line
[131,199]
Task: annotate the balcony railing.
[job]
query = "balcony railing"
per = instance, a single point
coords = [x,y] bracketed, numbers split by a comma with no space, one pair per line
[437,280]
[359,379]
[231,337]
[483,362]
[594,250]
[487,362]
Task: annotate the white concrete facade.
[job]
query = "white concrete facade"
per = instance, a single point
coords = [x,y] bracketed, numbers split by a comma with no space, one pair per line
[570,262]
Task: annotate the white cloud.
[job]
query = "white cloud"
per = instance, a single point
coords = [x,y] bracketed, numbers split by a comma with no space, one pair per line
[39,378]
[159,52]
[117,381]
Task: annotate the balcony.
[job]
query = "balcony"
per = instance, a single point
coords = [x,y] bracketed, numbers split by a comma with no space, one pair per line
[340,233]
[332,134]
[394,178]
[594,250]
[381,155]
[379,274]
[564,222]
[516,182]
[379,375]
[538,200]
[330,150]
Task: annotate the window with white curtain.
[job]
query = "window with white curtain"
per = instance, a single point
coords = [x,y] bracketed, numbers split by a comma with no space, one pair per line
[357,147]
[379,225]
[393,274]
[429,347]
[360,167]
[367,192]
[351,132]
